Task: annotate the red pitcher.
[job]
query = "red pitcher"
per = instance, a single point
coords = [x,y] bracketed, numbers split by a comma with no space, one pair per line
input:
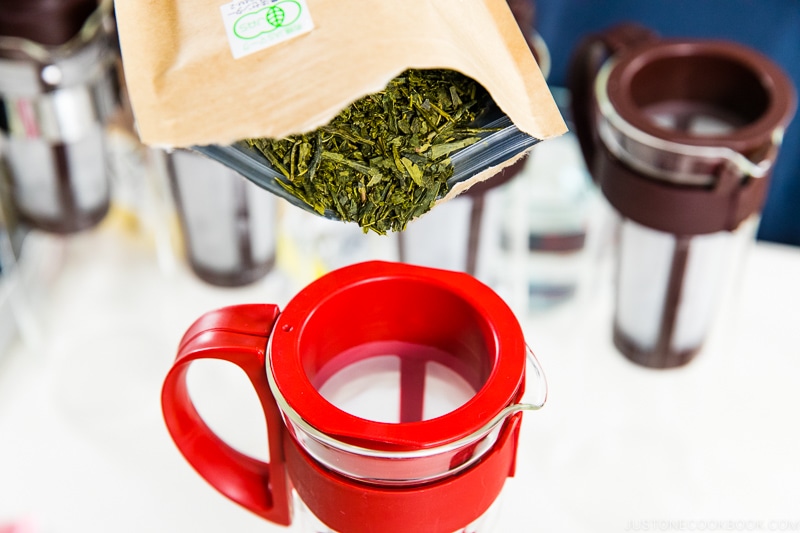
[392,395]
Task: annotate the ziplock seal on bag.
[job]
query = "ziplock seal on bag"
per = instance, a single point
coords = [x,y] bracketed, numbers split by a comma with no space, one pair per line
[495,149]
[188,89]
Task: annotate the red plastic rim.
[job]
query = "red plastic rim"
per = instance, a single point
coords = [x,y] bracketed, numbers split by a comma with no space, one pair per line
[374,303]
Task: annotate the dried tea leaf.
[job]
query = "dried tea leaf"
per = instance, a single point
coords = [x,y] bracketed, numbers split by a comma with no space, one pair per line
[384,160]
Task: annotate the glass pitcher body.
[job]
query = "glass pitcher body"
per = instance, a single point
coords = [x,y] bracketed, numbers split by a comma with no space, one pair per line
[392,394]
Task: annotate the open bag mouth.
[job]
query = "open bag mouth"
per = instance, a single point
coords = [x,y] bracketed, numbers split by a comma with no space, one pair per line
[503,142]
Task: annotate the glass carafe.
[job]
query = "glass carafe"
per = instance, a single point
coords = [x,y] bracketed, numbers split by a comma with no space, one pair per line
[681,136]
[58,88]
[229,225]
[392,394]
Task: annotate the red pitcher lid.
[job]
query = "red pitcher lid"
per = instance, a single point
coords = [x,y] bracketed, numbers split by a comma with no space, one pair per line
[349,313]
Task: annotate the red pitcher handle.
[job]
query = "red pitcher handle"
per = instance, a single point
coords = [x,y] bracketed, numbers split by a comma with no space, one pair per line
[236,334]
[590,54]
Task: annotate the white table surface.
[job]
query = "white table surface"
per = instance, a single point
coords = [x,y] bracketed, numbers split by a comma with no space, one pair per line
[617,447]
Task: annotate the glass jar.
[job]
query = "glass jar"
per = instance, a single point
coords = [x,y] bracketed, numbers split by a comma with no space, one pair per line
[392,394]
[681,136]
[58,87]
[229,224]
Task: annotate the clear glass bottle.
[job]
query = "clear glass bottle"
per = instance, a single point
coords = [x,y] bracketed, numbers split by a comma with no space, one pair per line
[229,224]
[544,234]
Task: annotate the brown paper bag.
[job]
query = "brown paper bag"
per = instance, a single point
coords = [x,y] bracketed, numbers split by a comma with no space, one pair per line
[187,88]
[191,82]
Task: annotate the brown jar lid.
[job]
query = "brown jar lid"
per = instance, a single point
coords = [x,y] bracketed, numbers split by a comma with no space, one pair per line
[680,135]
[670,177]
[725,74]
[47,22]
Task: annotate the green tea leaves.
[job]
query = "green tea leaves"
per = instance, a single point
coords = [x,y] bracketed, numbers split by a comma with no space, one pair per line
[383,160]
[413,171]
